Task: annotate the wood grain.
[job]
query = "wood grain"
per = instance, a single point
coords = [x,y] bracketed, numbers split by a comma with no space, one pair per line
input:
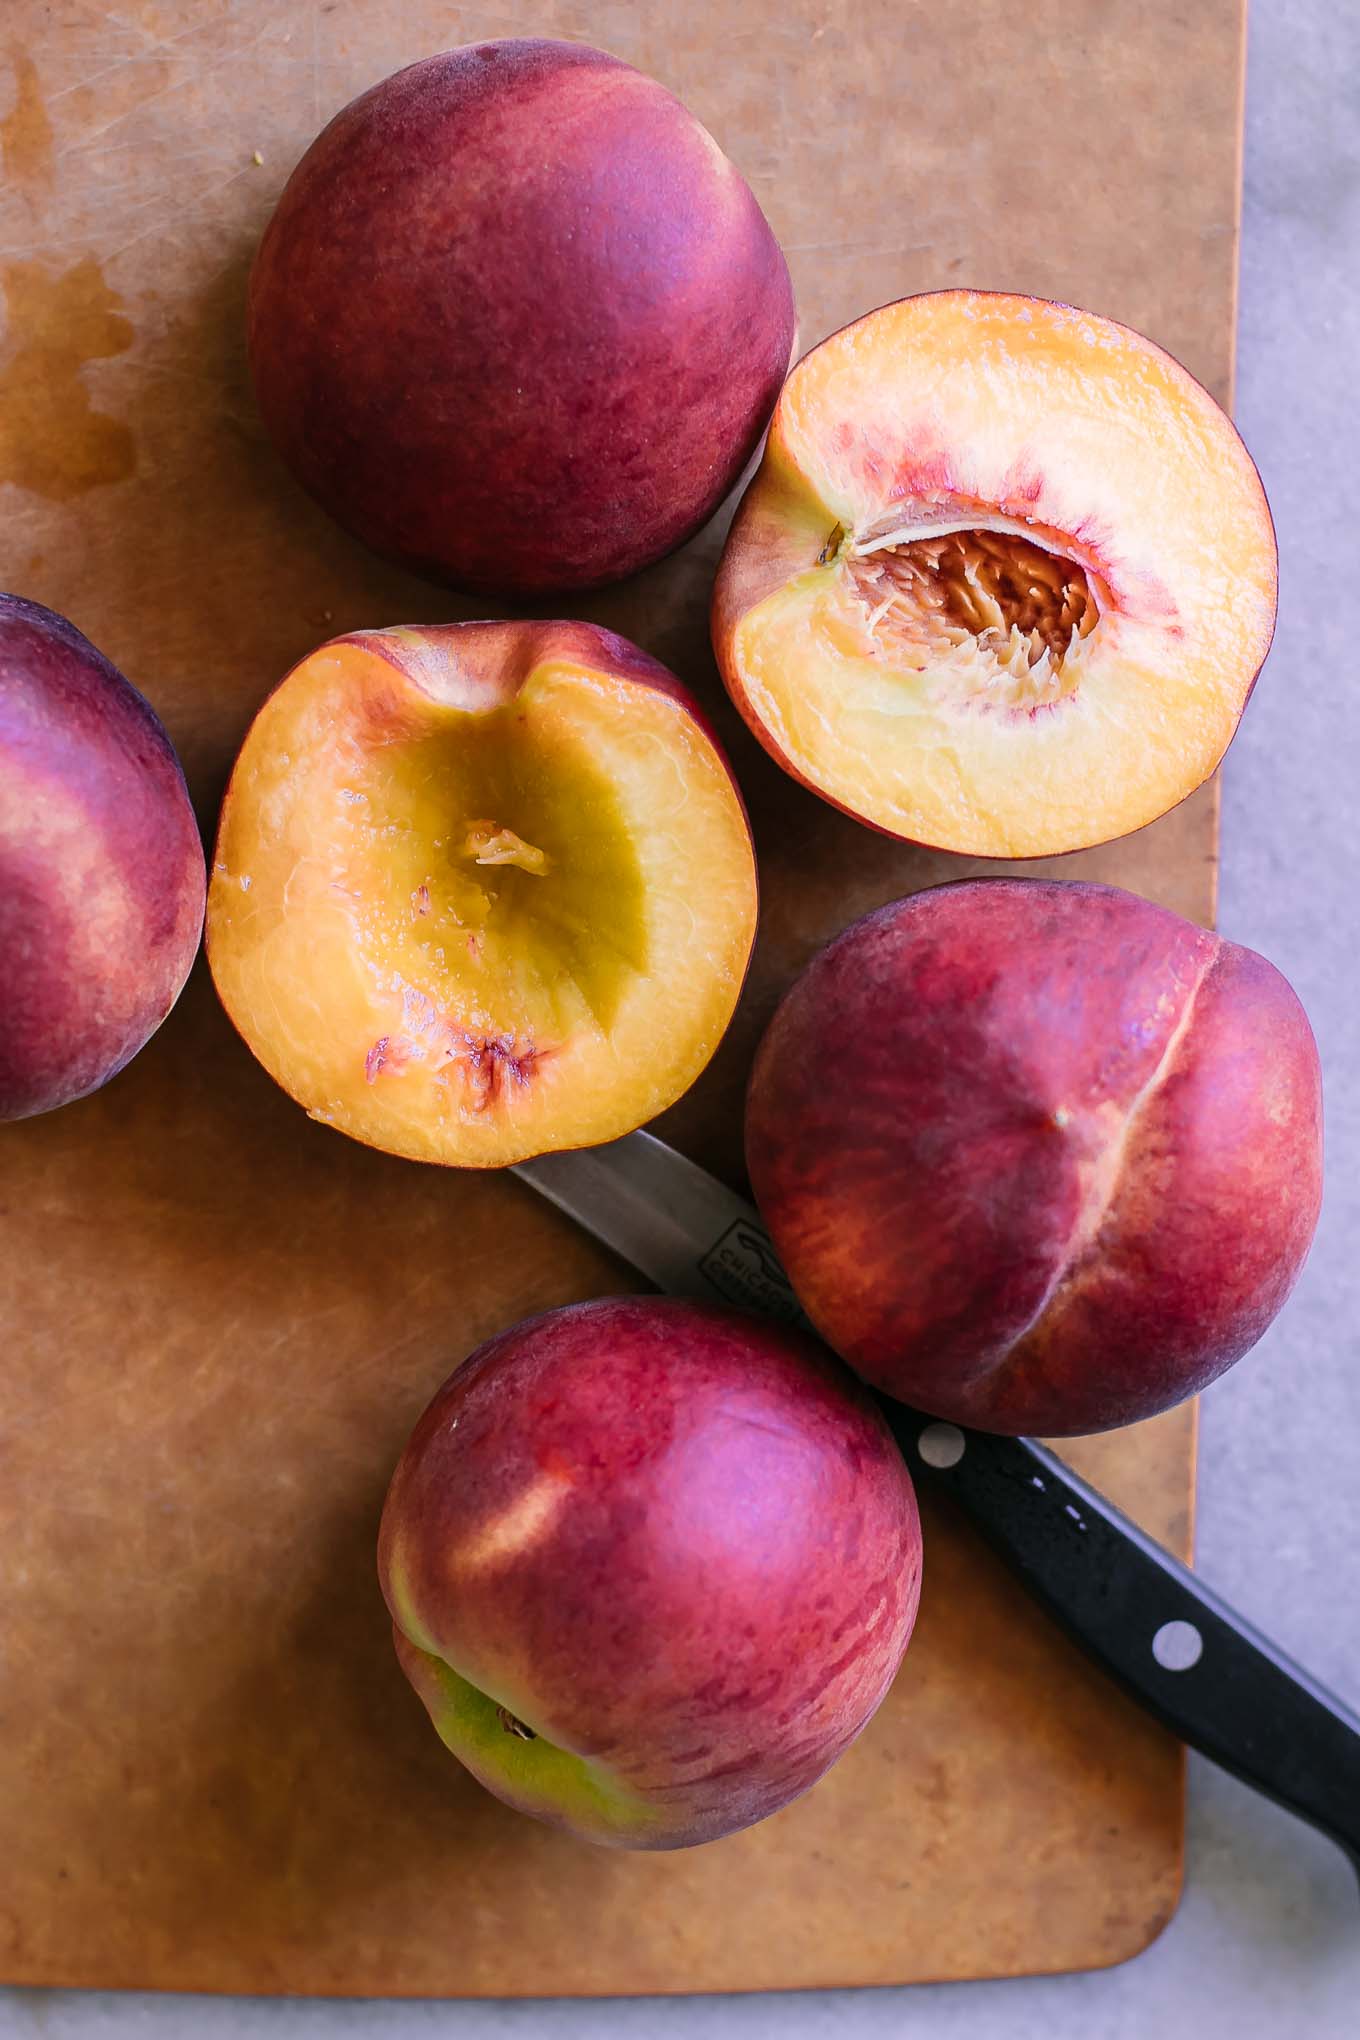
[219,1320]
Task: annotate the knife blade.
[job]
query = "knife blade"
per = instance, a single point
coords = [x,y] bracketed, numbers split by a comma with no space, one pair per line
[1177,1647]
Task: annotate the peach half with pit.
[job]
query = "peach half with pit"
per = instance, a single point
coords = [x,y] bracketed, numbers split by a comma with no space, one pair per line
[1003,581]
[481,890]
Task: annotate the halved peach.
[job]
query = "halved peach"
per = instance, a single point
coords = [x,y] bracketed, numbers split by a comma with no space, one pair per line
[481,890]
[1003,580]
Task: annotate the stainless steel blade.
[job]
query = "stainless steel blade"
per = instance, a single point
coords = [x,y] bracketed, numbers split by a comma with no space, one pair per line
[669,1219]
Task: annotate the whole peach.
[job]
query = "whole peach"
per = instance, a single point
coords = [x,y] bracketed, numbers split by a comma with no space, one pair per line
[1038,1156]
[652,1566]
[517,321]
[101,867]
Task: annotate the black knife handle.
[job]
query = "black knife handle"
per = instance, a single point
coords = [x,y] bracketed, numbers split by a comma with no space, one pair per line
[1147,1620]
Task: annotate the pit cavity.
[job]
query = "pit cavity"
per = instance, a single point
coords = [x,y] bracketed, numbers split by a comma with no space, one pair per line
[1008,616]
[496,892]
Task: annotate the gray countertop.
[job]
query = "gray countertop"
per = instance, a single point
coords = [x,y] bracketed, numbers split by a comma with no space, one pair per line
[1267,1939]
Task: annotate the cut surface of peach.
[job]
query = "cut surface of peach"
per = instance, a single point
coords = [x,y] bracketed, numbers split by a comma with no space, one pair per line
[1003,580]
[481,890]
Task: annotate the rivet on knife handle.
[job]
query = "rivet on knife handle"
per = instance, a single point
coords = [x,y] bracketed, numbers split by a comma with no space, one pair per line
[1188,1657]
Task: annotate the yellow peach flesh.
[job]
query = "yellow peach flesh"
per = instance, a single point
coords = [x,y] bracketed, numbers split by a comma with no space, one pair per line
[468,929]
[1003,580]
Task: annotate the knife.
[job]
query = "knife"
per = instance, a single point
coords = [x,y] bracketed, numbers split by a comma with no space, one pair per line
[1146,1619]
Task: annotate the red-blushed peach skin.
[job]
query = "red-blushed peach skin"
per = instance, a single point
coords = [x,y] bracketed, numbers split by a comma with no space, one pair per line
[1038,1157]
[101,866]
[482,890]
[517,322]
[676,1545]
[1004,579]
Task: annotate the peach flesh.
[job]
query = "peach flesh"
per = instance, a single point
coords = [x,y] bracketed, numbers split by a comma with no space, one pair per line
[1003,581]
[481,890]
[517,322]
[651,1567]
[1038,1157]
[101,867]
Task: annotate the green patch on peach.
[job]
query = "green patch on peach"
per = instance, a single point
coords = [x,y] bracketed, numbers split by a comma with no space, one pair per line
[524,1768]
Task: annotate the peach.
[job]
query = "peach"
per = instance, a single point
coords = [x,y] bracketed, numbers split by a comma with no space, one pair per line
[1003,581]
[651,1566]
[101,867]
[517,322]
[481,889]
[1038,1156]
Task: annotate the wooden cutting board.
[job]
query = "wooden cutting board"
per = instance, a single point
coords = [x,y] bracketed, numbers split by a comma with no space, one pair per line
[219,1320]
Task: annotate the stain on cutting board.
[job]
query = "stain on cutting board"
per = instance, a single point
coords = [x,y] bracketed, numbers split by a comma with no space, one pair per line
[26,130]
[53,439]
